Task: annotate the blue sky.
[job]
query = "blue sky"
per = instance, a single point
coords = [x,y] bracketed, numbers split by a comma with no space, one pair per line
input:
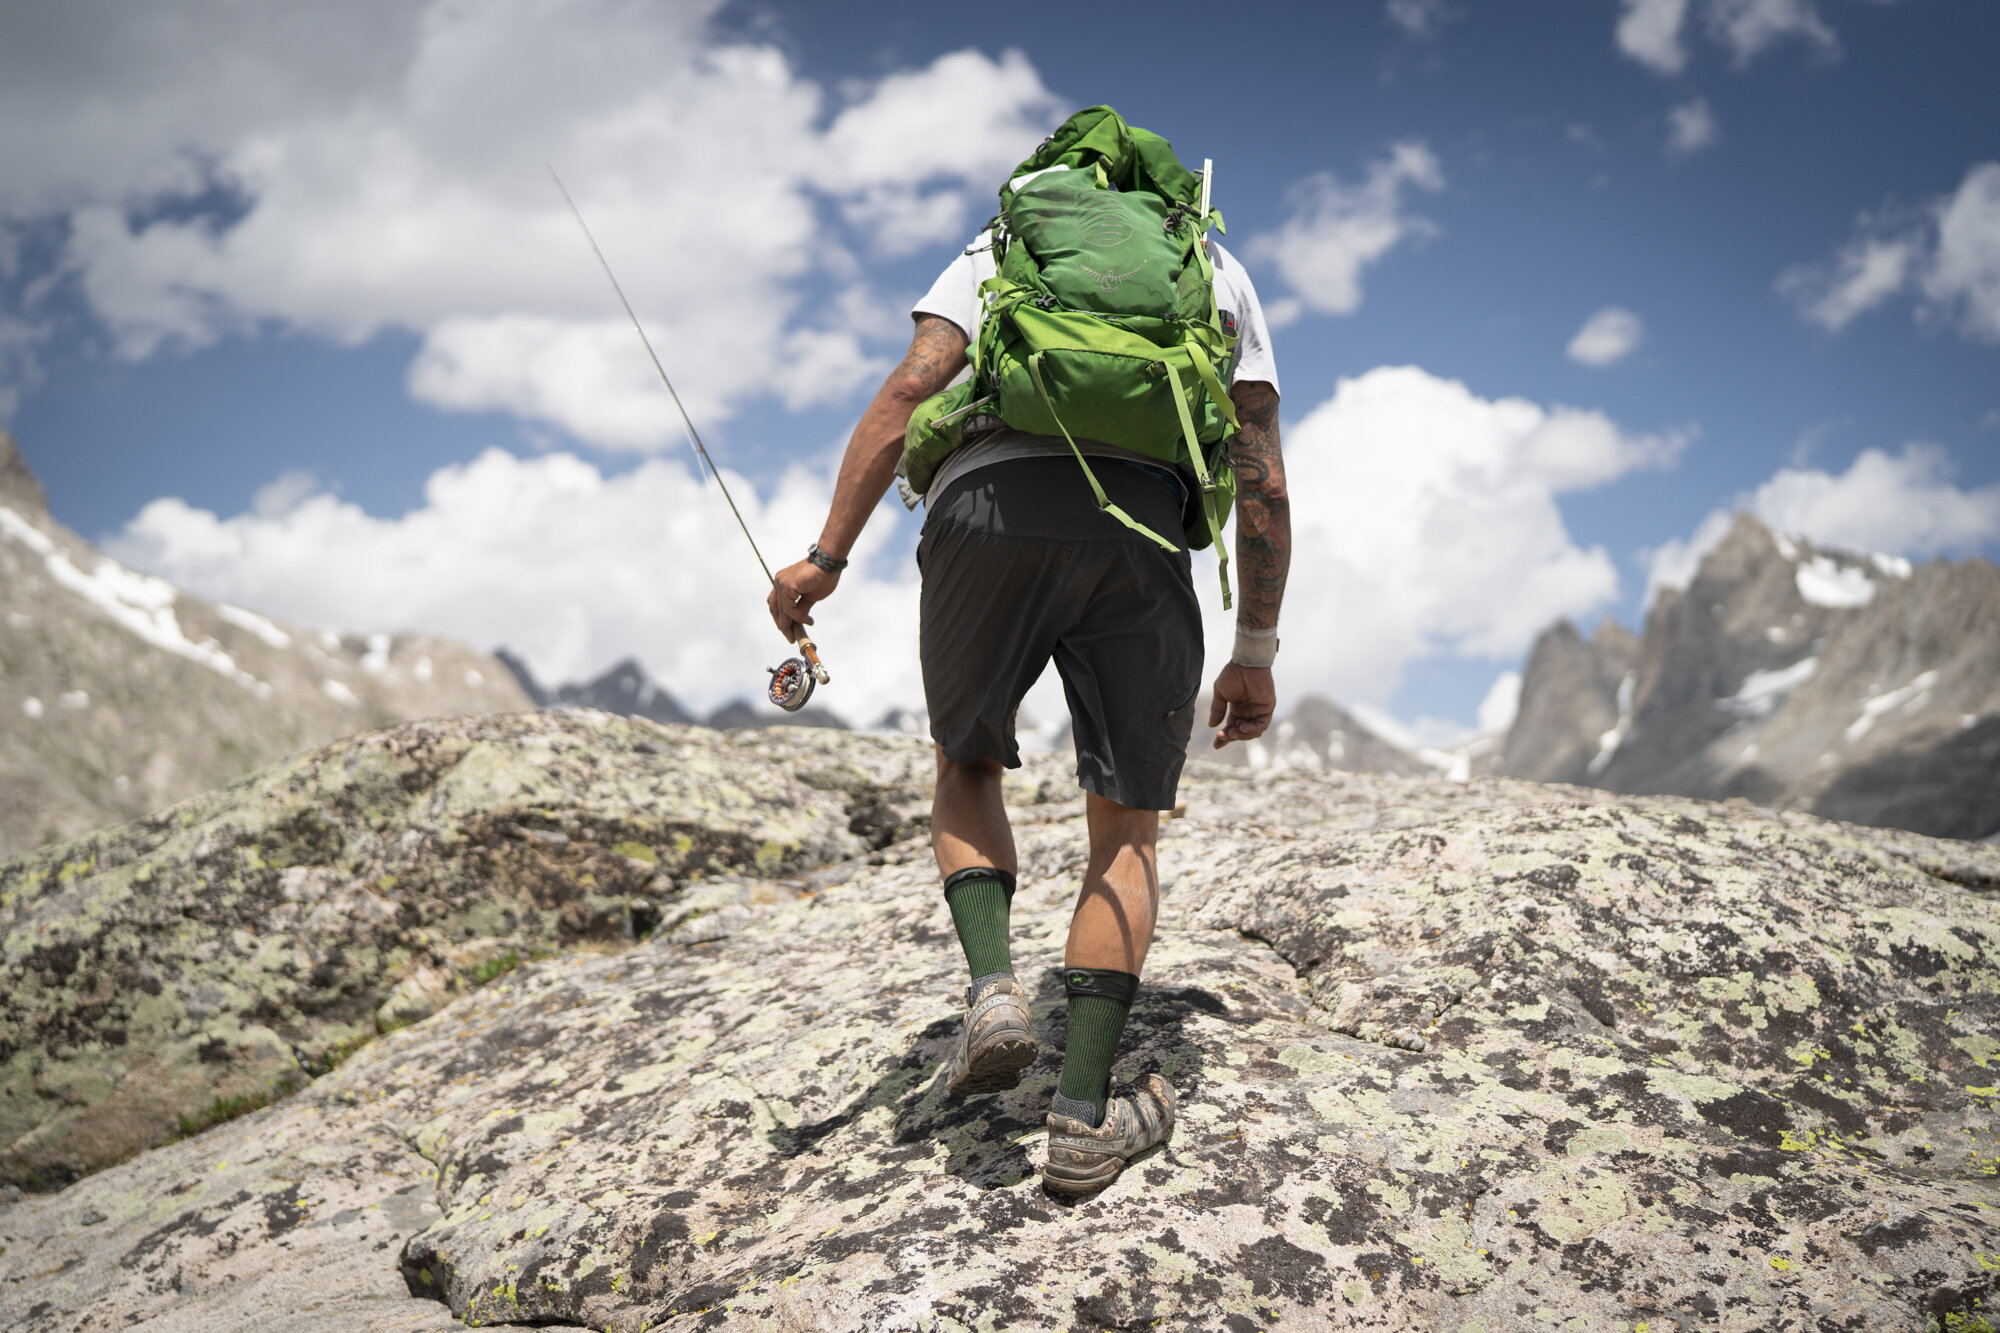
[1784,193]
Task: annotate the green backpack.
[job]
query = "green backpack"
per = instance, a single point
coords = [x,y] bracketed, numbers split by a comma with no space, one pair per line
[1101,320]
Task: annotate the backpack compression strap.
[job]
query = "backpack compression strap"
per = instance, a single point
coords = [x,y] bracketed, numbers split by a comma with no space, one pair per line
[1103,500]
[1200,465]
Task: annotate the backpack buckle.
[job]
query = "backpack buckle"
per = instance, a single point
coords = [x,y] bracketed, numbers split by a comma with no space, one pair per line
[1227,318]
[1046,302]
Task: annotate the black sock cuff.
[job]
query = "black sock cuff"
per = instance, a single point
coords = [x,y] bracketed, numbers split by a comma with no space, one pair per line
[1103,982]
[972,874]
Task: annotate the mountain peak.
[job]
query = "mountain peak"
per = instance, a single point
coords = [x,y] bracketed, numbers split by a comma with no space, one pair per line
[20,488]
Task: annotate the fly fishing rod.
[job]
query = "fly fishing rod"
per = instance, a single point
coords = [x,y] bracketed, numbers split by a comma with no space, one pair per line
[791,680]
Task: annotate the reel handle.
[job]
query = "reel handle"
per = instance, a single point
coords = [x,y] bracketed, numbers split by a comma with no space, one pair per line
[811,652]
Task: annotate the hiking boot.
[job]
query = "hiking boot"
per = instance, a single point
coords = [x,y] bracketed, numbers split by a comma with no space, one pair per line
[997,1043]
[1083,1160]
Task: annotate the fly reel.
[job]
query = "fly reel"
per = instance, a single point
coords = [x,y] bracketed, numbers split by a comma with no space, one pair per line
[792,680]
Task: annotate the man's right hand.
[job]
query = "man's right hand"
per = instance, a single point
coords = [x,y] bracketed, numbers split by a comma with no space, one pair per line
[793,593]
[1242,703]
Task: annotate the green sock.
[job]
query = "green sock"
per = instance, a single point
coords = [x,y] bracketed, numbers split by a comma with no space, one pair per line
[979,898]
[1099,1001]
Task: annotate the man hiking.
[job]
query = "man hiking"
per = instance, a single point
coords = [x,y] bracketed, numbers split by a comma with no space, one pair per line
[1041,545]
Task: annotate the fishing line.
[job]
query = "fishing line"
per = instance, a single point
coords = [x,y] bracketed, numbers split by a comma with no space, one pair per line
[792,680]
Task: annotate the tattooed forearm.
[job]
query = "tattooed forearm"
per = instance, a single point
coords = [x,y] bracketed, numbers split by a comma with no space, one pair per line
[1263,510]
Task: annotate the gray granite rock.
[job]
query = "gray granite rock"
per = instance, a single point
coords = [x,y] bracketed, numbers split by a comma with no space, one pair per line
[1482,1056]
[156,975]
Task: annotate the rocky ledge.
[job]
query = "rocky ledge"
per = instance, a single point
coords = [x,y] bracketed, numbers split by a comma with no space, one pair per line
[1484,1056]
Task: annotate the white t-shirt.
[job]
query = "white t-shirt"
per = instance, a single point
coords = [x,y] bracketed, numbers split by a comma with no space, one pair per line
[955,296]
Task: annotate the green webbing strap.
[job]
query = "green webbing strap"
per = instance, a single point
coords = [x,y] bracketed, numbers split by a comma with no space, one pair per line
[1201,474]
[1103,500]
[1212,383]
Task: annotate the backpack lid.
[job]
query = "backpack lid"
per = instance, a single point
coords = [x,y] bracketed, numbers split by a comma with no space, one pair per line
[1097,138]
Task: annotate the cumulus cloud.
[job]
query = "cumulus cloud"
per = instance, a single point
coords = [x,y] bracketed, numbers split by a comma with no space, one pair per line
[1964,275]
[1610,335]
[1691,127]
[352,172]
[1948,255]
[570,567]
[1425,520]
[1903,504]
[1335,231]
[1649,31]
[1866,272]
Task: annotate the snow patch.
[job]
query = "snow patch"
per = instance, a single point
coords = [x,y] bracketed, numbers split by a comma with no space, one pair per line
[1763,691]
[1893,565]
[376,659]
[473,678]
[256,624]
[1785,547]
[422,670]
[1608,743]
[140,603]
[1823,582]
[32,706]
[339,693]
[76,699]
[1913,695]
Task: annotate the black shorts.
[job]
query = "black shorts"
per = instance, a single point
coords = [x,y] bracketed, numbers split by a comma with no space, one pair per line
[1019,566]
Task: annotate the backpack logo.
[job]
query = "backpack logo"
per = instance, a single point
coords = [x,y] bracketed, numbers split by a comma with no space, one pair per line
[1108,282]
[1102,223]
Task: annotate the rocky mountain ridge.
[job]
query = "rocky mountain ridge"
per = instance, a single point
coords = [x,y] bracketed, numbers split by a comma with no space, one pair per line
[1484,1055]
[120,693]
[1858,687]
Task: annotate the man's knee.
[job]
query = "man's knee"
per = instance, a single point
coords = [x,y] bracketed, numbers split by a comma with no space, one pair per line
[1114,826]
[979,770]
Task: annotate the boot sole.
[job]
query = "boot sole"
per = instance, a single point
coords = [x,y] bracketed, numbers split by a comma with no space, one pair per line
[1076,1179]
[996,1068]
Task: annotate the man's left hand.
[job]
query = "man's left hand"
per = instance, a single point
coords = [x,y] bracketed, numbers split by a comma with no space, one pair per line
[793,593]
[1242,703]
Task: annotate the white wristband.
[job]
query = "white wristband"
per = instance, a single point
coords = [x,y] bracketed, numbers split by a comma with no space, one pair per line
[1255,647]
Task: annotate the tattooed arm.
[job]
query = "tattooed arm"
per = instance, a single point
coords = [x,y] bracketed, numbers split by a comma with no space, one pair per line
[936,355]
[1244,698]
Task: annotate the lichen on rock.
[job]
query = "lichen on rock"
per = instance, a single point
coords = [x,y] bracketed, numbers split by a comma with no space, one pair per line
[1464,1056]
[223,946]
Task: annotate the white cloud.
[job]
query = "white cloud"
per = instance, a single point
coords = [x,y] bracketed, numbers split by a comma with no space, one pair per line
[1903,504]
[571,568]
[1610,335]
[1422,19]
[1900,505]
[1748,27]
[1335,231]
[1425,520]
[1691,127]
[1950,254]
[1867,271]
[403,188]
[1965,275]
[1650,32]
